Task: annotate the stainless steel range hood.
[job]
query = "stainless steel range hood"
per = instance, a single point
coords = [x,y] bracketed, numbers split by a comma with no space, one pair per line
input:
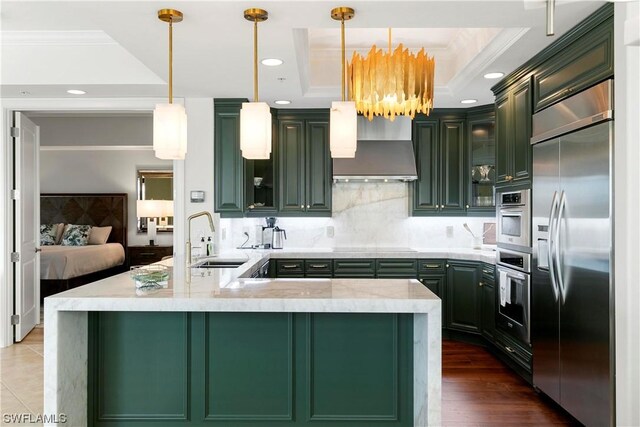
[385,153]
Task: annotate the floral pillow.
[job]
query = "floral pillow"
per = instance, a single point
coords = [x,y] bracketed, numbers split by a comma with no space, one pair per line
[76,235]
[48,234]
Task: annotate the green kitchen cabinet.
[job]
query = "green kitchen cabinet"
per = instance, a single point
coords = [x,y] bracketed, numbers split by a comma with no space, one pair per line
[480,174]
[260,183]
[463,296]
[304,163]
[436,283]
[250,369]
[586,60]
[488,309]
[439,144]
[228,162]
[513,133]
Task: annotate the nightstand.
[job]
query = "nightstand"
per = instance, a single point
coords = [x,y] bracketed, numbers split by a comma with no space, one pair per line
[145,254]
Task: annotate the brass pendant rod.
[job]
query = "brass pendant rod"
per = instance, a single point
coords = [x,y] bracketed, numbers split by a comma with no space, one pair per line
[342,80]
[389,39]
[255,61]
[171,61]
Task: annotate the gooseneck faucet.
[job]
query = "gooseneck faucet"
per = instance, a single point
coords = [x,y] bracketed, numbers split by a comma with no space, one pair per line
[196,215]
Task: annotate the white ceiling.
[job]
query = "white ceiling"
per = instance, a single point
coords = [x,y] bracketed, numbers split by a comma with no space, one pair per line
[119,48]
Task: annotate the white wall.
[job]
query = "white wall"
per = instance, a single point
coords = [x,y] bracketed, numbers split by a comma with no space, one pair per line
[627,213]
[373,215]
[92,171]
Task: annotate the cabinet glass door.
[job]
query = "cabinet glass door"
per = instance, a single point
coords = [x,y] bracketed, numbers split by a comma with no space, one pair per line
[483,161]
[259,185]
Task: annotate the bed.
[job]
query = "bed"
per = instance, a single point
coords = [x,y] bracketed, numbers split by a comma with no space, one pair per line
[67,267]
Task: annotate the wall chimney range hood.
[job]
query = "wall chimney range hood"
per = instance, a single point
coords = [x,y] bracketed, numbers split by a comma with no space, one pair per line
[385,153]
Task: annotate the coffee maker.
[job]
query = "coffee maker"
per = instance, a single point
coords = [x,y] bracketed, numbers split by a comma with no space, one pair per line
[267,233]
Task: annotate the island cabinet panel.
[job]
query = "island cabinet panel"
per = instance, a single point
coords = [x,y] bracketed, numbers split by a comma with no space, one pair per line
[365,356]
[250,369]
[463,296]
[139,368]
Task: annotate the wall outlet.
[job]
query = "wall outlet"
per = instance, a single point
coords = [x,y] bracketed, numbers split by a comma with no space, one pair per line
[331,231]
[450,231]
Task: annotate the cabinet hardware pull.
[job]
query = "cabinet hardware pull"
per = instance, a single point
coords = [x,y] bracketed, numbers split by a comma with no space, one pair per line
[447,265]
[480,284]
[431,265]
[487,272]
[146,254]
[290,266]
[318,266]
[509,349]
[308,206]
[301,206]
[467,206]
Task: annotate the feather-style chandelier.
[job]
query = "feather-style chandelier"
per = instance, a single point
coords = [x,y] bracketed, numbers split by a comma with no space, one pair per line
[393,83]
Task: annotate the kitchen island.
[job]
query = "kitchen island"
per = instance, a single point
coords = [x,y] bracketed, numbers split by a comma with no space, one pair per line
[220,349]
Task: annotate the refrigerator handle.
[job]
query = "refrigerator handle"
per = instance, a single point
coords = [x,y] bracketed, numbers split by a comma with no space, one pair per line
[556,242]
[551,262]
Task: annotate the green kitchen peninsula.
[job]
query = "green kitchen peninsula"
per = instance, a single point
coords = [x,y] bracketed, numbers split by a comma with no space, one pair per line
[223,350]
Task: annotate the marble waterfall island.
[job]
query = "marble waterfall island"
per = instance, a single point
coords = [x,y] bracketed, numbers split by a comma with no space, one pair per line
[227,351]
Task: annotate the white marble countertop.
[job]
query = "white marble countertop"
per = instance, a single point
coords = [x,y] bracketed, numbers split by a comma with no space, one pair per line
[230,289]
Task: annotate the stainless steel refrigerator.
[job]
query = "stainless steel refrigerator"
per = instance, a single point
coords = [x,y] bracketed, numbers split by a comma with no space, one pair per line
[572,285]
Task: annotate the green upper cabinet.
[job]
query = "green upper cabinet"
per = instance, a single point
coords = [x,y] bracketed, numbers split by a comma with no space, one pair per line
[228,163]
[513,133]
[304,163]
[586,61]
[481,161]
[439,143]
[260,184]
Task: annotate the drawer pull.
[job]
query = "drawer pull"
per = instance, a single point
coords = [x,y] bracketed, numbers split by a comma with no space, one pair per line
[146,254]
[509,349]
[432,265]
[289,266]
[319,266]
[480,284]
[487,272]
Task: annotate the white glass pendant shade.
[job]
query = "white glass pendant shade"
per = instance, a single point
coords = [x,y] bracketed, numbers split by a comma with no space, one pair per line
[343,129]
[255,130]
[170,131]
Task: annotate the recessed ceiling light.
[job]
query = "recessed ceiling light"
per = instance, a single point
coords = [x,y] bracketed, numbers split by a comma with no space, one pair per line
[283,102]
[271,62]
[495,75]
[468,101]
[76,92]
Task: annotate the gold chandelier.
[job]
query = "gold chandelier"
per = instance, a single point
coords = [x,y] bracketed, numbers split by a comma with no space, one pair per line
[393,83]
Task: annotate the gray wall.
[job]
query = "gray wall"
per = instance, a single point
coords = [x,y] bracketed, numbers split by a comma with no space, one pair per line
[95,130]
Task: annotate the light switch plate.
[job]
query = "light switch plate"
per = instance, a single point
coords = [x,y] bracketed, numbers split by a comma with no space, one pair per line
[197,196]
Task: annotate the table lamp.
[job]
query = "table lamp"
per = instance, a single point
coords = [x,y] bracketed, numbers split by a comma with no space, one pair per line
[153,209]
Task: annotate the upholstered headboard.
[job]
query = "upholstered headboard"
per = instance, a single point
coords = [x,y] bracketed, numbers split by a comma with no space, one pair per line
[88,209]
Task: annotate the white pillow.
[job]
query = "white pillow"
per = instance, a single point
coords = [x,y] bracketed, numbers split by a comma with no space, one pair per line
[99,235]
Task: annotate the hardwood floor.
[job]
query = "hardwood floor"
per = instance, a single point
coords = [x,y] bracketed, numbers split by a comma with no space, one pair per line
[479,390]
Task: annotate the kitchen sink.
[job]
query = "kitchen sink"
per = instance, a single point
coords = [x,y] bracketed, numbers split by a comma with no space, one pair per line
[219,264]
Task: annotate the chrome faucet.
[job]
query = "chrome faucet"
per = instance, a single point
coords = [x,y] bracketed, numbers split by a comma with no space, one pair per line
[196,215]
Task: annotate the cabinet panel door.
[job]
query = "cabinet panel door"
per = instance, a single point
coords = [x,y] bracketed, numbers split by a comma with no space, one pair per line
[488,310]
[452,158]
[228,161]
[436,284]
[318,168]
[502,137]
[522,150]
[463,297]
[424,191]
[291,166]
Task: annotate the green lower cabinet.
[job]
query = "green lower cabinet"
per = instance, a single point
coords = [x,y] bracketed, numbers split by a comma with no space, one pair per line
[463,296]
[437,285]
[250,369]
[488,310]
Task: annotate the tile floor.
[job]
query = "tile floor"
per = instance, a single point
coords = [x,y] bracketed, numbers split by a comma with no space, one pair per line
[22,377]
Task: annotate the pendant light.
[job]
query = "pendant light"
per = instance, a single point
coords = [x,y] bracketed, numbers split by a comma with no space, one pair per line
[170,120]
[343,121]
[255,117]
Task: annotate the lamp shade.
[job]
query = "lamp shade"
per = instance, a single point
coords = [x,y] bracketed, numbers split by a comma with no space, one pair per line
[154,208]
[255,130]
[343,129]
[170,131]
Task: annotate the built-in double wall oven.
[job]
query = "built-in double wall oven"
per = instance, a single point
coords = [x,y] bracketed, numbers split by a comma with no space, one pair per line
[514,220]
[514,293]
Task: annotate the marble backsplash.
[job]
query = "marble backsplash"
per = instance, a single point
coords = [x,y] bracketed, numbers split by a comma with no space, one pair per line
[373,215]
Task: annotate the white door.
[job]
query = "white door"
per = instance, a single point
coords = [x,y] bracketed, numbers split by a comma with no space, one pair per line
[26,151]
